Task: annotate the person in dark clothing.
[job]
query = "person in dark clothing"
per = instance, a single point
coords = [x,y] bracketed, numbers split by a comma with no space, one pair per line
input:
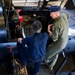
[33,48]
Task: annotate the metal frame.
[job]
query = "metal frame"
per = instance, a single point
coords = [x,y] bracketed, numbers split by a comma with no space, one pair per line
[63,63]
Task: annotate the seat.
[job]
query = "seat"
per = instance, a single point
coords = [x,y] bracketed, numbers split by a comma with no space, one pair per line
[64,61]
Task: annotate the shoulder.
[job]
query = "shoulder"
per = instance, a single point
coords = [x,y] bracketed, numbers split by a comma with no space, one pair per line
[45,34]
[66,15]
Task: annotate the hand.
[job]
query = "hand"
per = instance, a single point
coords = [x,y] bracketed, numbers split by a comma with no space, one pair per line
[49,27]
[20,40]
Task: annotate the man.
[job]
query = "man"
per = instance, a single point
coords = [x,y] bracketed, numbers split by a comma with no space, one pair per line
[36,47]
[59,35]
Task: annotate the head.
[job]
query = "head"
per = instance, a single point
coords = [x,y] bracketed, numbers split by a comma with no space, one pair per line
[37,26]
[54,11]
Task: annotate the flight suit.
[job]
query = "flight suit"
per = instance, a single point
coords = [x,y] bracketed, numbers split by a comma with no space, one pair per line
[59,37]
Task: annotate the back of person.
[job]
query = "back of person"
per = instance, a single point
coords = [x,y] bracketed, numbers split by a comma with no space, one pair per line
[37,46]
[65,25]
[36,50]
[62,24]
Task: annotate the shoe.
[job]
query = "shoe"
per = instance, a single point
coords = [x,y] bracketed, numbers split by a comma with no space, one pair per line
[50,68]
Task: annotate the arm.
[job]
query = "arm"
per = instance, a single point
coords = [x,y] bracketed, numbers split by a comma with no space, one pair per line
[55,32]
[23,40]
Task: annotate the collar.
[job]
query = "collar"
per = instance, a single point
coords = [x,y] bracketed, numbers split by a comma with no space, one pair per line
[38,31]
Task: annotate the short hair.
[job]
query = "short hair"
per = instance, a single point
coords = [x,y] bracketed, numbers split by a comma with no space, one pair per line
[36,25]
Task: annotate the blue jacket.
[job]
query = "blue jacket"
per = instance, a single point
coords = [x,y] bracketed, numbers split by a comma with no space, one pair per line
[36,45]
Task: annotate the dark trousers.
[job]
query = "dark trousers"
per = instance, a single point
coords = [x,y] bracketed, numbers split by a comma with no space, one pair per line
[24,56]
[36,68]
